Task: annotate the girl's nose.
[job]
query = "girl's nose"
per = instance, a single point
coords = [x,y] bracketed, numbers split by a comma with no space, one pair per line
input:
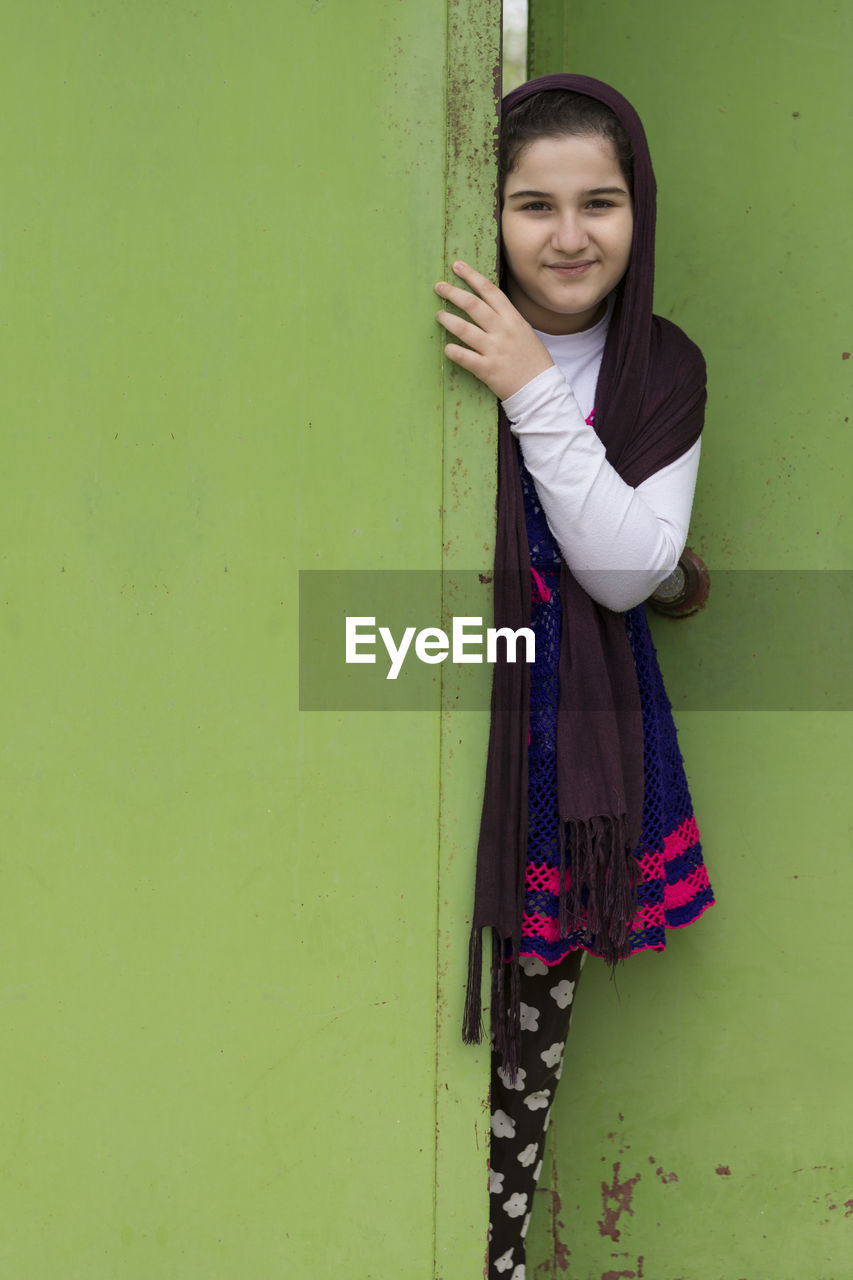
[570,235]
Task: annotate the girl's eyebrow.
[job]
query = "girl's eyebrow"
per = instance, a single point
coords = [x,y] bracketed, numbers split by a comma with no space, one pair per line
[546,195]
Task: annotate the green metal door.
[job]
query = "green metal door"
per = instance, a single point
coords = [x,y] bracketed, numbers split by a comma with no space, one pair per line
[222,917]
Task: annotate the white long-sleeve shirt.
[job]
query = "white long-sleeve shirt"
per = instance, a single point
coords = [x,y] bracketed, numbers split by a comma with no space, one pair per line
[619,542]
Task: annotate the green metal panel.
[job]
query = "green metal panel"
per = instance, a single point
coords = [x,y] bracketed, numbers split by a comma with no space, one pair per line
[462,1113]
[548,27]
[221,226]
[702,1131]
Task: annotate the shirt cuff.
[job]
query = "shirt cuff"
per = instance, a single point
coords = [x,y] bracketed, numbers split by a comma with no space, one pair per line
[533,394]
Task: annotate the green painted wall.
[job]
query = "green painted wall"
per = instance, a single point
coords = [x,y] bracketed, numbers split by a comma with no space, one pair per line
[221,919]
[703,1131]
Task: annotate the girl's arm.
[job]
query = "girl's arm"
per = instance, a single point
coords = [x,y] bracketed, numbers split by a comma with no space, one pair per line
[619,542]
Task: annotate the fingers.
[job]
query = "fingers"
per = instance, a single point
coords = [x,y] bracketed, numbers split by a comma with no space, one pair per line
[465,358]
[461,328]
[501,349]
[482,284]
[485,298]
[468,302]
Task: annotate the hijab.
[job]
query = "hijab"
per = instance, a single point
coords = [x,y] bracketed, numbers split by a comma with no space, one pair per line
[649,409]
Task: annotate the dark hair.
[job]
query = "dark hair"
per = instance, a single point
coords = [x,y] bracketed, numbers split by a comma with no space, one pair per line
[557,113]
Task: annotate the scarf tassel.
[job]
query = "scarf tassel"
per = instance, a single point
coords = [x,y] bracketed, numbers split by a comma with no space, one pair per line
[602,893]
[601,898]
[506,1006]
[472,1022]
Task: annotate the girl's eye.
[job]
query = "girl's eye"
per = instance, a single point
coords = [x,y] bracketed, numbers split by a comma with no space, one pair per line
[535,206]
[600,204]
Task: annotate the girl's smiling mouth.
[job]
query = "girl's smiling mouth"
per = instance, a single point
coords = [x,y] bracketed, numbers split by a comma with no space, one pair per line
[571,268]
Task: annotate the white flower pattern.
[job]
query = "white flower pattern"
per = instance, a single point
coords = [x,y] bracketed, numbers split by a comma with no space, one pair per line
[563,993]
[503,1126]
[553,1055]
[530,1017]
[528,1102]
[516,1205]
[520,1077]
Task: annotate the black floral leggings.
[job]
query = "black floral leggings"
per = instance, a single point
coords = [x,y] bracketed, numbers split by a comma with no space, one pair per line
[521,1112]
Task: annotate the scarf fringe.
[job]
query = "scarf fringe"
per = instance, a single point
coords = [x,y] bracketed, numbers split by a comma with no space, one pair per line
[602,895]
[472,1021]
[506,1013]
[506,1007]
[601,899]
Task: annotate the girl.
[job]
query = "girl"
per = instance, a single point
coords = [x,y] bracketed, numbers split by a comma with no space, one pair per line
[587,838]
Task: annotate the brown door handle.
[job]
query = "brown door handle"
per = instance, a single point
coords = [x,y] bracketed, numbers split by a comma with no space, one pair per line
[685,590]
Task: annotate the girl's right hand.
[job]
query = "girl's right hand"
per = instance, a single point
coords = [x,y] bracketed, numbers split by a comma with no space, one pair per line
[501,348]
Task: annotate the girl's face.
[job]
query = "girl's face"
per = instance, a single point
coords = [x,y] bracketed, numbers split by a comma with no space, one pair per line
[566,225]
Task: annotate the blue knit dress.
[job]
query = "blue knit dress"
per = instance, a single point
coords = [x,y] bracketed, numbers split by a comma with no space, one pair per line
[674,889]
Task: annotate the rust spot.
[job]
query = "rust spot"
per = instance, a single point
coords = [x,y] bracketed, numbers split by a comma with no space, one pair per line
[626,1275]
[562,1252]
[848,1205]
[616,1200]
[845,355]
[723,1170]
[665,1177]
